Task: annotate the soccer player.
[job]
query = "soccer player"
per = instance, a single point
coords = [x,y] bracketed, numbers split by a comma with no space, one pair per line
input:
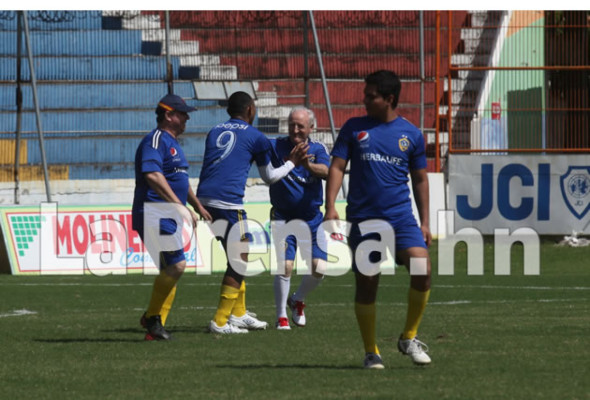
[383,148]
[298,196]
[230,149]
[161,176]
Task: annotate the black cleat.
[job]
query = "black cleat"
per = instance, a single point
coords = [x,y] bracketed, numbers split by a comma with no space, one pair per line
[155,330]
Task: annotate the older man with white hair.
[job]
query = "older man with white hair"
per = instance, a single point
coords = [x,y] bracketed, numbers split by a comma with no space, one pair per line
[298,196]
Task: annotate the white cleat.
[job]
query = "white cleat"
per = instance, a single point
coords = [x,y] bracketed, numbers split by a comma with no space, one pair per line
[225,329]
[247,322]
[373,361]
[415,349]
[297,314]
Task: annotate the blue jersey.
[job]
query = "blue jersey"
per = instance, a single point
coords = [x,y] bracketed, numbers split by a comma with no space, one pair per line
[299,194]
[159,151]
[381,156]
[230,149]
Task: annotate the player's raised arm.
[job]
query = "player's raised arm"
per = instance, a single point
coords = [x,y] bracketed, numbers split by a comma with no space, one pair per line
[270,175]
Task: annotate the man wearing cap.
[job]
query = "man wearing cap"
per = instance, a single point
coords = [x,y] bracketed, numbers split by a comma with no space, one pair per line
[161,176]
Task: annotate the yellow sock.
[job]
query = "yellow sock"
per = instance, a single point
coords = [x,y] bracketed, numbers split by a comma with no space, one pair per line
[366,316]
[168,305]
[163,286]
[227,299]
[416,304]
[240,304]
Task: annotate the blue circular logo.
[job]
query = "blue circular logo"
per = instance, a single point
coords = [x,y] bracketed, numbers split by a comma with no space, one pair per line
[578,186]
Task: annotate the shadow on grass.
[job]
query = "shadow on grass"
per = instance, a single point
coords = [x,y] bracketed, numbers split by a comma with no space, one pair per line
[290,366]
[136,331]
[89,340]
[173,329]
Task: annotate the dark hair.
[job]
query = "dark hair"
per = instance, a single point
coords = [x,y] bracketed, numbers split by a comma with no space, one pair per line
[160,114]
[387,83]
[238,103]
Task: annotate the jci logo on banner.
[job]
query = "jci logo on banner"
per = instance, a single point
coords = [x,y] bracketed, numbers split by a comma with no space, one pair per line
[575,187]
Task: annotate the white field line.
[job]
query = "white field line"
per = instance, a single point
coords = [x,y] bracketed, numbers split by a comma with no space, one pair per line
[18,313]
[491,287]
[402,304]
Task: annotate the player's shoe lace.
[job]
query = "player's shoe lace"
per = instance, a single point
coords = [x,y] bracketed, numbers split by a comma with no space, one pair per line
[247,322]
[283,324]
[415,349]
[297,314]
[225,329]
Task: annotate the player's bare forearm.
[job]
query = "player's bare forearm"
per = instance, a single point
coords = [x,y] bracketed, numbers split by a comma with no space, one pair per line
[317,170]
[194,201]
[159,184]
[421,196]
[333,185]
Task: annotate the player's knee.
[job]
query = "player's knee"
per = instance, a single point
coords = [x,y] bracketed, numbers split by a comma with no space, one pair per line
[176,270]
[233,275]
[420,283]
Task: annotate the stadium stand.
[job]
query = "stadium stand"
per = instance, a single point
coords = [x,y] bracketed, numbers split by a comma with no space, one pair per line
[101,72]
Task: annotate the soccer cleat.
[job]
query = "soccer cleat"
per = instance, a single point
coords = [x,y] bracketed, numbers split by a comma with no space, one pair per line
[283,324]
[297,314]
[415,349]
[225,329]
[373,361]
[247,322]
[155,330]
[252,314]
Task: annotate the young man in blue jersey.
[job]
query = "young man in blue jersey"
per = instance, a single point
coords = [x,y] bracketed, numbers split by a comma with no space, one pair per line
[383,149]
[298,196]
[161,176]
[230,149]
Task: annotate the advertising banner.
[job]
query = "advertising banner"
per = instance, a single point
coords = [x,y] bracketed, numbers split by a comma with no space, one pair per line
[75,240]
[547,193]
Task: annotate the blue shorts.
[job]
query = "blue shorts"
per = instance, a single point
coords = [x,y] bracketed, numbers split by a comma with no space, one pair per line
[407,234]
[232,217]
[290,245]
[165,258]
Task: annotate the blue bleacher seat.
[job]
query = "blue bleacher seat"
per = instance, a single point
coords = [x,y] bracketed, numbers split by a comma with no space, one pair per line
[73,123]
[91,68]
[93,96]
[97,86]
[55,20]
[82,43]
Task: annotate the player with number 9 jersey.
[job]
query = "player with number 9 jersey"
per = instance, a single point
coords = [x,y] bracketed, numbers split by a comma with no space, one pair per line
[230,149]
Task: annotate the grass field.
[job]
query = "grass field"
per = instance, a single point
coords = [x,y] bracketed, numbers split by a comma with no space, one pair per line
[490,337]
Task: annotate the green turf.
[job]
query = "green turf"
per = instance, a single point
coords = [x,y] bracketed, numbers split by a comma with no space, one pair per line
[490,337]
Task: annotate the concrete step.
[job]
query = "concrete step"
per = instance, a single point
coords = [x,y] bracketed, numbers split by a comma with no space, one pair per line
[142,22]
[159,35]
[181,48]
[218,72]
[462,85]
[469,60]
[199,60]
[266,99]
